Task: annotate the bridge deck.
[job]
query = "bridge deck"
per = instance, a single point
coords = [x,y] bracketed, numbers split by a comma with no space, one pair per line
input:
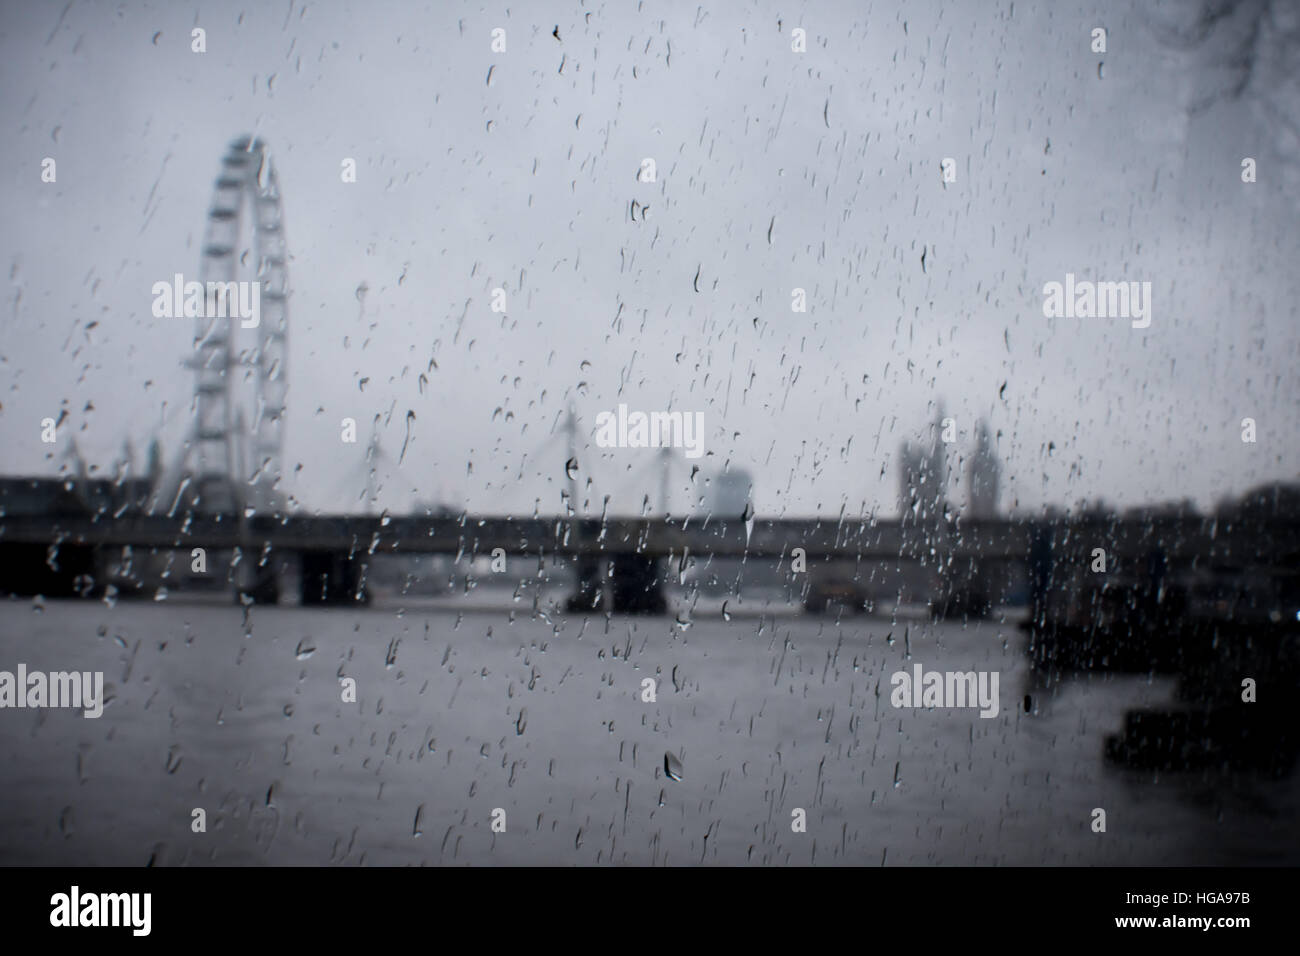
[1204,539]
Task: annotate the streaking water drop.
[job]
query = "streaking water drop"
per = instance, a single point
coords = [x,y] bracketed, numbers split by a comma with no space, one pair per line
[672,767]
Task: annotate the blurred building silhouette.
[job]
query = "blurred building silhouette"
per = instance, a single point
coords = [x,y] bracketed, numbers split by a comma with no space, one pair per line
[982,473]
[729,494]
[729,497]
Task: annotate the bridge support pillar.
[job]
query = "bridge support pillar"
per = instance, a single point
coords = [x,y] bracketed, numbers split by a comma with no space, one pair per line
[1044,648]
[28,571]
[637,585]
[333,577]
[1040,579]
[965,591]
[258,582]
[589,591]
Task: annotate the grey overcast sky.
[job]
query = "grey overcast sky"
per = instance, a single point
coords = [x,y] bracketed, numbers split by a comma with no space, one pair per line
[1117,166]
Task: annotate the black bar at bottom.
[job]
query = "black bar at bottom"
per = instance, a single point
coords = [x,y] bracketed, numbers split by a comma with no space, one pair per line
[333,906]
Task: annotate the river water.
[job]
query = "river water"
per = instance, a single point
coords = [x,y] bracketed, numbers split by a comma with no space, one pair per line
[461,712]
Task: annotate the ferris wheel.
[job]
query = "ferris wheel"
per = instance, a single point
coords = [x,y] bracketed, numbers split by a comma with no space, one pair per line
[241,380]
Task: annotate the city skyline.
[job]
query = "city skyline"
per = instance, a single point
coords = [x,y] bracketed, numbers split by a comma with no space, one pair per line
[675,294]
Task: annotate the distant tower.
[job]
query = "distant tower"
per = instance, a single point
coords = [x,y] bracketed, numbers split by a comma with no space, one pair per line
[155,465]
[128,458]
[982,476]
[909,482]
[571,465]
[374,455]
[665,467]
[72,457]
[923,477]
[729,495]
[938,465]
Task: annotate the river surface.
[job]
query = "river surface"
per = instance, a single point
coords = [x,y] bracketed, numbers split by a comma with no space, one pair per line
[460,713]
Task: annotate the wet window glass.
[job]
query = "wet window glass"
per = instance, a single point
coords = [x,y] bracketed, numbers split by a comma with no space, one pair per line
[650,434]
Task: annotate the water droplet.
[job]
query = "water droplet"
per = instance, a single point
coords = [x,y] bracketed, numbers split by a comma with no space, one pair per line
[264,168]
[672,767]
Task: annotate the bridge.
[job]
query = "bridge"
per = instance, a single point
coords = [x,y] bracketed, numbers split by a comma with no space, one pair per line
[222,495]
[333,550]
[1197,538]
